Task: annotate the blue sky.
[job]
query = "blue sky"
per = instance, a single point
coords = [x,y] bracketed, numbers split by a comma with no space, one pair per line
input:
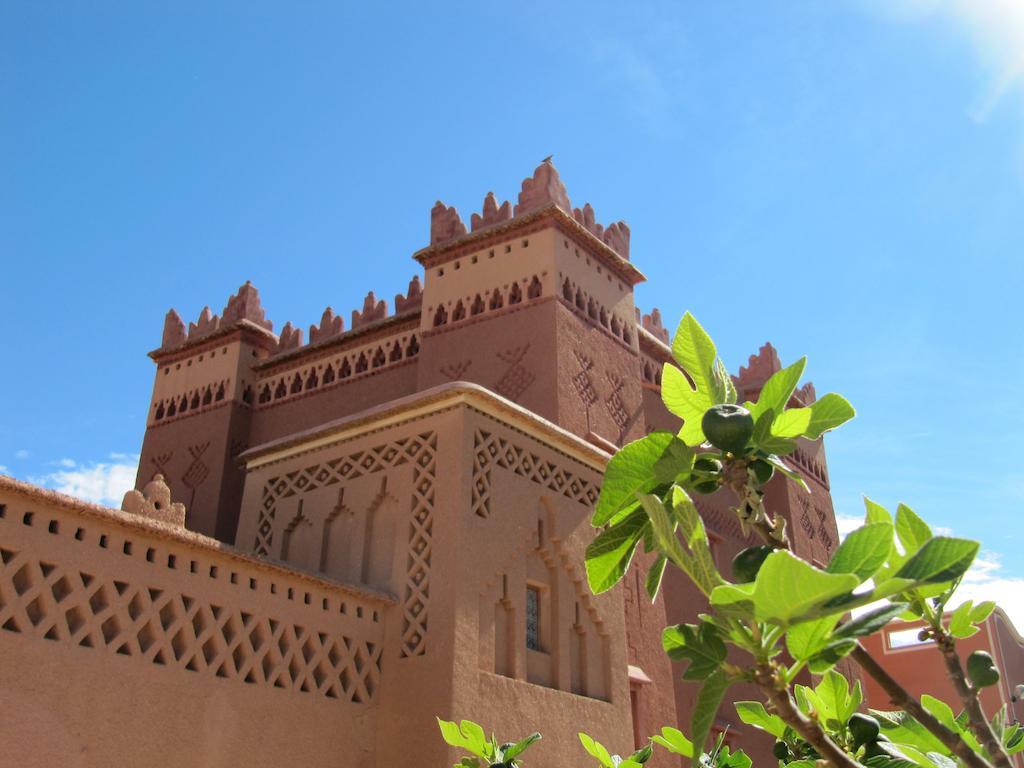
[845,179]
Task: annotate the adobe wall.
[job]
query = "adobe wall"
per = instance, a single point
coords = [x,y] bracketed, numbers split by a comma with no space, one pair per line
[131,642]
[511,512]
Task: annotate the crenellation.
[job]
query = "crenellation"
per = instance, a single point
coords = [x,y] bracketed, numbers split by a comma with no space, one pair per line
[759,368]
[373,311]
[445,223]
[492,213]
[652,324]
[207,324]
[245,305]
[290,338]
[174,331]
[543,188]
[331,325]
[413,299]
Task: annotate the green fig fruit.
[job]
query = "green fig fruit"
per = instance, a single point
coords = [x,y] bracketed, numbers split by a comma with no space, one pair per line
[762,470]
[748,562]
[863,728]
[981,669]
[728,427]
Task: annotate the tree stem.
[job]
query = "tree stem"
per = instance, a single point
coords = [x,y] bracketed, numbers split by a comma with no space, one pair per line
[979,724]
[811,732]
[899,696]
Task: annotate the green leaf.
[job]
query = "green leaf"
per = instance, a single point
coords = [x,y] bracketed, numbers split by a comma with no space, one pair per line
[630,471]
[468,736]
[940,560]
[792,423]
[698,643]
[777,391]
[654,575]
[863,552]
[674,741]
[596,750]
[913,532]
[960,625]
[793,475]
[806,640]
[812,422]
[876,513]
[704,711]
[827,413]
[753,713]
[830,655]
[520,746]
[981,611]
[641,756]
[695,558]
[942,712]
[608,556]
[735,600]
[902,729]
[834,693]
[787,587]
[870,622]
[685,402]
[695,352]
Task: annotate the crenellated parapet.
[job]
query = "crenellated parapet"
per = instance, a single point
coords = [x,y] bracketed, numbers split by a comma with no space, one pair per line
[615,236]
[492,213]
[759,368]
[806,393]
[174,331]
[243,306]
[290,338]
[373,311]
[331,325]
[445,223]
[652,324]
[413,299]
[543,189]
[154,502]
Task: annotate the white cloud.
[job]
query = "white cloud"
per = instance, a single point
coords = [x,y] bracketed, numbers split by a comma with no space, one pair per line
[987,581]
[99,482]
[22,454]
[996,32]
[847,524]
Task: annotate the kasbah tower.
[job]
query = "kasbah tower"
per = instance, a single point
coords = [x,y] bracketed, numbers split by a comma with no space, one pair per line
[385,523]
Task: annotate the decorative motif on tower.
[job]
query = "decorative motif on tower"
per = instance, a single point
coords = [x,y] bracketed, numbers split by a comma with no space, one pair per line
[445,223]
[492,214]
[545,187]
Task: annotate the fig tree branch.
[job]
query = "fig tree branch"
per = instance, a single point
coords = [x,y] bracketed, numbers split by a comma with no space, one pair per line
[900,697]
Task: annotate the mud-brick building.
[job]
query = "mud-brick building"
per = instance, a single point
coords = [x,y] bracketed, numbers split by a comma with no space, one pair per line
[385,522]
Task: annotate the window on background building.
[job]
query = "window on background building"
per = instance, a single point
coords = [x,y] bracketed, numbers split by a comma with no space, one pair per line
[533,618]
[906,638]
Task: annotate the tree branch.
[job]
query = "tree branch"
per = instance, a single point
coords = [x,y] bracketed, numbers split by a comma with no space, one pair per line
[811,732]
[979,724]
[899,696]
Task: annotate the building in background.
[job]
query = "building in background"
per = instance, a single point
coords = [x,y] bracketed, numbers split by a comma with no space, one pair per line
[385,523]
[918,665]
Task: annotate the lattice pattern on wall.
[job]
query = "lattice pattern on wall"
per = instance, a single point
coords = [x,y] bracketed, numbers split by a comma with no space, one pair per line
[348,365]
[167,628]
[490,450]
[419,451]
[192,401]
